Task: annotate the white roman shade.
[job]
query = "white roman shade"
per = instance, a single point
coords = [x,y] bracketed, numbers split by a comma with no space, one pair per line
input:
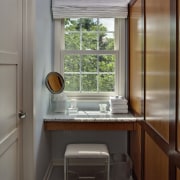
[89,8]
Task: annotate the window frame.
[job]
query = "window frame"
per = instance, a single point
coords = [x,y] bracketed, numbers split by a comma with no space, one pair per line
[120,51]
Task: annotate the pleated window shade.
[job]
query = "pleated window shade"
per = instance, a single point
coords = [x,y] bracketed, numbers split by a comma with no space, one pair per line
[89,8]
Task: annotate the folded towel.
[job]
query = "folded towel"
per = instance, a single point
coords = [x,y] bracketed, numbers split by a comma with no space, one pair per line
[118,111]
[119,106]
[118,100]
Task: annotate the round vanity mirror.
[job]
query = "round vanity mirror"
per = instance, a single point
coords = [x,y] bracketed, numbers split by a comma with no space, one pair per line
[54,82]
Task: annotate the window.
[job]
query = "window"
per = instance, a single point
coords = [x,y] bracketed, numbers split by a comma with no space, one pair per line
[90,53]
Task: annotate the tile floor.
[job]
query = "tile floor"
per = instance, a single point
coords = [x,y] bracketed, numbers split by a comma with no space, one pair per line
[58,174]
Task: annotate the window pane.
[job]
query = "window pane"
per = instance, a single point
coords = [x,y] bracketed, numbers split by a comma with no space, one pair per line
[89,82]
[71,63]
[107,63]
[86,71]
[89,63]
[106,41]
[89,41]
[72,82]
[106,82]
[88,24]
[108,23]
[72,41]
[83,24]
[71,24]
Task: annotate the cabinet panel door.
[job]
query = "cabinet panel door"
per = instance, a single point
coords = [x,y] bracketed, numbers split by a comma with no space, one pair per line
[158,67]
[137,58]
[156,161]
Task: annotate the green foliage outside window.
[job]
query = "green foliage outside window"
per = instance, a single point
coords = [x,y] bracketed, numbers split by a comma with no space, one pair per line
[89,72]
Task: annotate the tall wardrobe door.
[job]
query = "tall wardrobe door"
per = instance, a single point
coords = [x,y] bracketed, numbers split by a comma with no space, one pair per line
[158,65]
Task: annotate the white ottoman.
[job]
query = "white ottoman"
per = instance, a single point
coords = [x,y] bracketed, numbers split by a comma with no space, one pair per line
[86,161]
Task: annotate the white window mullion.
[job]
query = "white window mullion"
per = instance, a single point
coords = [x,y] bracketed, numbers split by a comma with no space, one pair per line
[62,45]
[80,73]
[80,36]
[80,76]
[117,72]
[57,46]
[97,73]
[121,56]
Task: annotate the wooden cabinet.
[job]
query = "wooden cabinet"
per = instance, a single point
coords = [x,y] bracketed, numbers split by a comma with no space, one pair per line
[136,53]
[156,161]
[135,150]
[158,65]
[160,87]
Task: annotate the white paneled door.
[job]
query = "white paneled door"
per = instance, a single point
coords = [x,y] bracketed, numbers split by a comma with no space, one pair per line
[10,89]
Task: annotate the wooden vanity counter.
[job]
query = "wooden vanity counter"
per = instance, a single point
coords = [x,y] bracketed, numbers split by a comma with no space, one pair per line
[90,121]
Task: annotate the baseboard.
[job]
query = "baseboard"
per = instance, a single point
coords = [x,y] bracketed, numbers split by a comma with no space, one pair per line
[48,171]
[54,162]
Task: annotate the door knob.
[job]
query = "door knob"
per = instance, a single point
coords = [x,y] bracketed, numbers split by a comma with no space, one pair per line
[22,115]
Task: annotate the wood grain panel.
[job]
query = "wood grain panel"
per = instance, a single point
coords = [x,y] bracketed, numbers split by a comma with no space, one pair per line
[135,151]
[178,129]
[136,57]
[136,54]
[178,174]
[53,126]
[156,161]
[158,65]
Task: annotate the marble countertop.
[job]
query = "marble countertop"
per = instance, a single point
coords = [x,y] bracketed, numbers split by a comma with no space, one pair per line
[90,116]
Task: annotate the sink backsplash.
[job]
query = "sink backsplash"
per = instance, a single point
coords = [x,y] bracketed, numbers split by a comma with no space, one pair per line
[90,106]
[81,105]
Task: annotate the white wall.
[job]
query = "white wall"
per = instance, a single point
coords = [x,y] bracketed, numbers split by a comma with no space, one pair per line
[42,66]
[46,148]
